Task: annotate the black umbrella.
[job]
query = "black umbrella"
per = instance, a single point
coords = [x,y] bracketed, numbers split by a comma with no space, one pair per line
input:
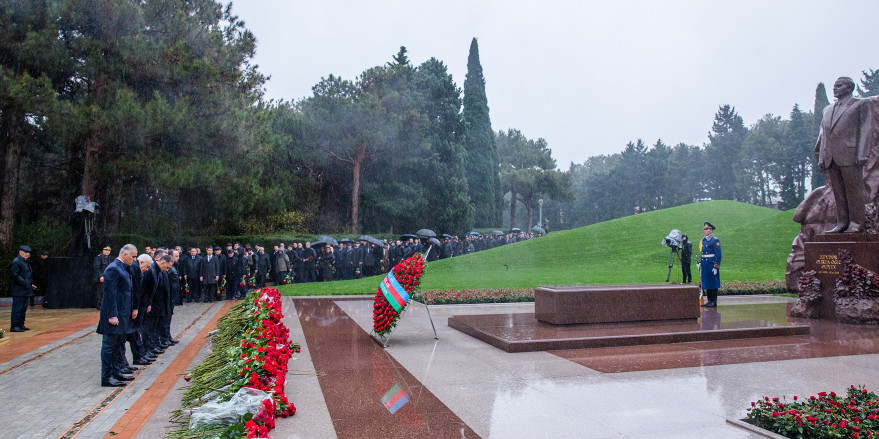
[364,238]
[435,242]
[498,233]
[516,230]
[327,239]
[376,241]
[318,244]
[407,237]
[446,235]
[345,241]
[427,233]
[538,229]
[473,233]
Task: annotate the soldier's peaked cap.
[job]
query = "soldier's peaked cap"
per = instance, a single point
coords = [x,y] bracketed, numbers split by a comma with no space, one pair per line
[707,224]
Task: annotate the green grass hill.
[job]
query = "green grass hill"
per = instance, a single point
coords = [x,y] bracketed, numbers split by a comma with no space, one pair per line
[755,242]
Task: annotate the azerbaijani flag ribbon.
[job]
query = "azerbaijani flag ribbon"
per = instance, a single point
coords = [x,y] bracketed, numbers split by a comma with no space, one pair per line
[395,398]
[394,293]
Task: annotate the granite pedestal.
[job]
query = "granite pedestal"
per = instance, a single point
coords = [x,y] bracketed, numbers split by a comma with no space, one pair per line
[822,256]
[582,304]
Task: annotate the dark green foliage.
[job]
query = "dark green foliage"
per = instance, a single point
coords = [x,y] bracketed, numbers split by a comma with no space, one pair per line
[528,173]
[724,153]
[869,84]
[151,108]
[481,155]
[449,206]
[796,158]
[761,152]
[639,179]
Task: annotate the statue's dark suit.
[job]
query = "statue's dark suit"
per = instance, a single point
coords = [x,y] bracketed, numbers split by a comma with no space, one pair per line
[843,147]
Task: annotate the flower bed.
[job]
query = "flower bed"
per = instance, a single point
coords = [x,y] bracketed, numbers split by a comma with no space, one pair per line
[855,415]
[251,349]
[737,288]
[455,297]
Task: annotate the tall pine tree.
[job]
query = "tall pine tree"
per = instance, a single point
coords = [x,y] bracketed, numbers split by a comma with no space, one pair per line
[481,157]
[444,174]
[724,153]
[869,84]
[821,101]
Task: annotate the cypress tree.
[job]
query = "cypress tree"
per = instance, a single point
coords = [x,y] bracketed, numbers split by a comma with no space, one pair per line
[821,101]
[481,157]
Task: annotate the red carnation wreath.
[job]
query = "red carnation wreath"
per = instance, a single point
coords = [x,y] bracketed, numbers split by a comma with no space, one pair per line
[408,274]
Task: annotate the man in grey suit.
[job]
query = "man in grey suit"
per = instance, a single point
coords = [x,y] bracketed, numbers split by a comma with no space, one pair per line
[842,149]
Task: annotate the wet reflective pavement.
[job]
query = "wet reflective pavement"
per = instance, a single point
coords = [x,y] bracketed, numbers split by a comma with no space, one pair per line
[522,332]
[367,392]
[458,386]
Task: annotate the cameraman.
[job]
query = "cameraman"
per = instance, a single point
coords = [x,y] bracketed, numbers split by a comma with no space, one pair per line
[686,253]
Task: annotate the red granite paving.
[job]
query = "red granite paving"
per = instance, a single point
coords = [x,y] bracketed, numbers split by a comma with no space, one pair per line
[361,377]
[826,339]
[47,327]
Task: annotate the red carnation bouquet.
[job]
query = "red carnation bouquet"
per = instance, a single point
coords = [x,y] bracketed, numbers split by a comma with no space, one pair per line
[408,274]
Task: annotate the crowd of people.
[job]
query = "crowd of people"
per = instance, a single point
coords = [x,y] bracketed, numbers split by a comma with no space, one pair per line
[137,293]
[348,259]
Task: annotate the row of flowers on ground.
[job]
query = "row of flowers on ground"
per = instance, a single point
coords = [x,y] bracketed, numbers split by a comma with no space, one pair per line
[239,389]
[826,415]
[453,297]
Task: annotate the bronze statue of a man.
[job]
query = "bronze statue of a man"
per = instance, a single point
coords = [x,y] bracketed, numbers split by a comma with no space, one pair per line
[843,148]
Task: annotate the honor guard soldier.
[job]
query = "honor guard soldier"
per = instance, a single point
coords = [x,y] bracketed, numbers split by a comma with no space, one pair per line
[709,264]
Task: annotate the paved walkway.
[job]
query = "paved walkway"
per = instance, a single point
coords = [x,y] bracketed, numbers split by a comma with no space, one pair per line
[456,386]
[54,389]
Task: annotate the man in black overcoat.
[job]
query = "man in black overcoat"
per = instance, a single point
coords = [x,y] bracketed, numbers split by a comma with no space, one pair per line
[139,302]
[232,273]
[157,281]
[99,265]
[686,254]
[174,281]
[21,288]
[295,262]
[262,261]
[191,269]
[210,275]
[310,259]
[115,316]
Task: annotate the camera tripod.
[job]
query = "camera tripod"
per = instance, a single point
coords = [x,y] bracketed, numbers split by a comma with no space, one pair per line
[672,257]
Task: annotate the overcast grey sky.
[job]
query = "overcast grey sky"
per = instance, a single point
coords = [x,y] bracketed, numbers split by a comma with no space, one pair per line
[587,76]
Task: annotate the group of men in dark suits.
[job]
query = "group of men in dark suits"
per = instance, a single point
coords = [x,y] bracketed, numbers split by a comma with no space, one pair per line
[205,274]
[137,305]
